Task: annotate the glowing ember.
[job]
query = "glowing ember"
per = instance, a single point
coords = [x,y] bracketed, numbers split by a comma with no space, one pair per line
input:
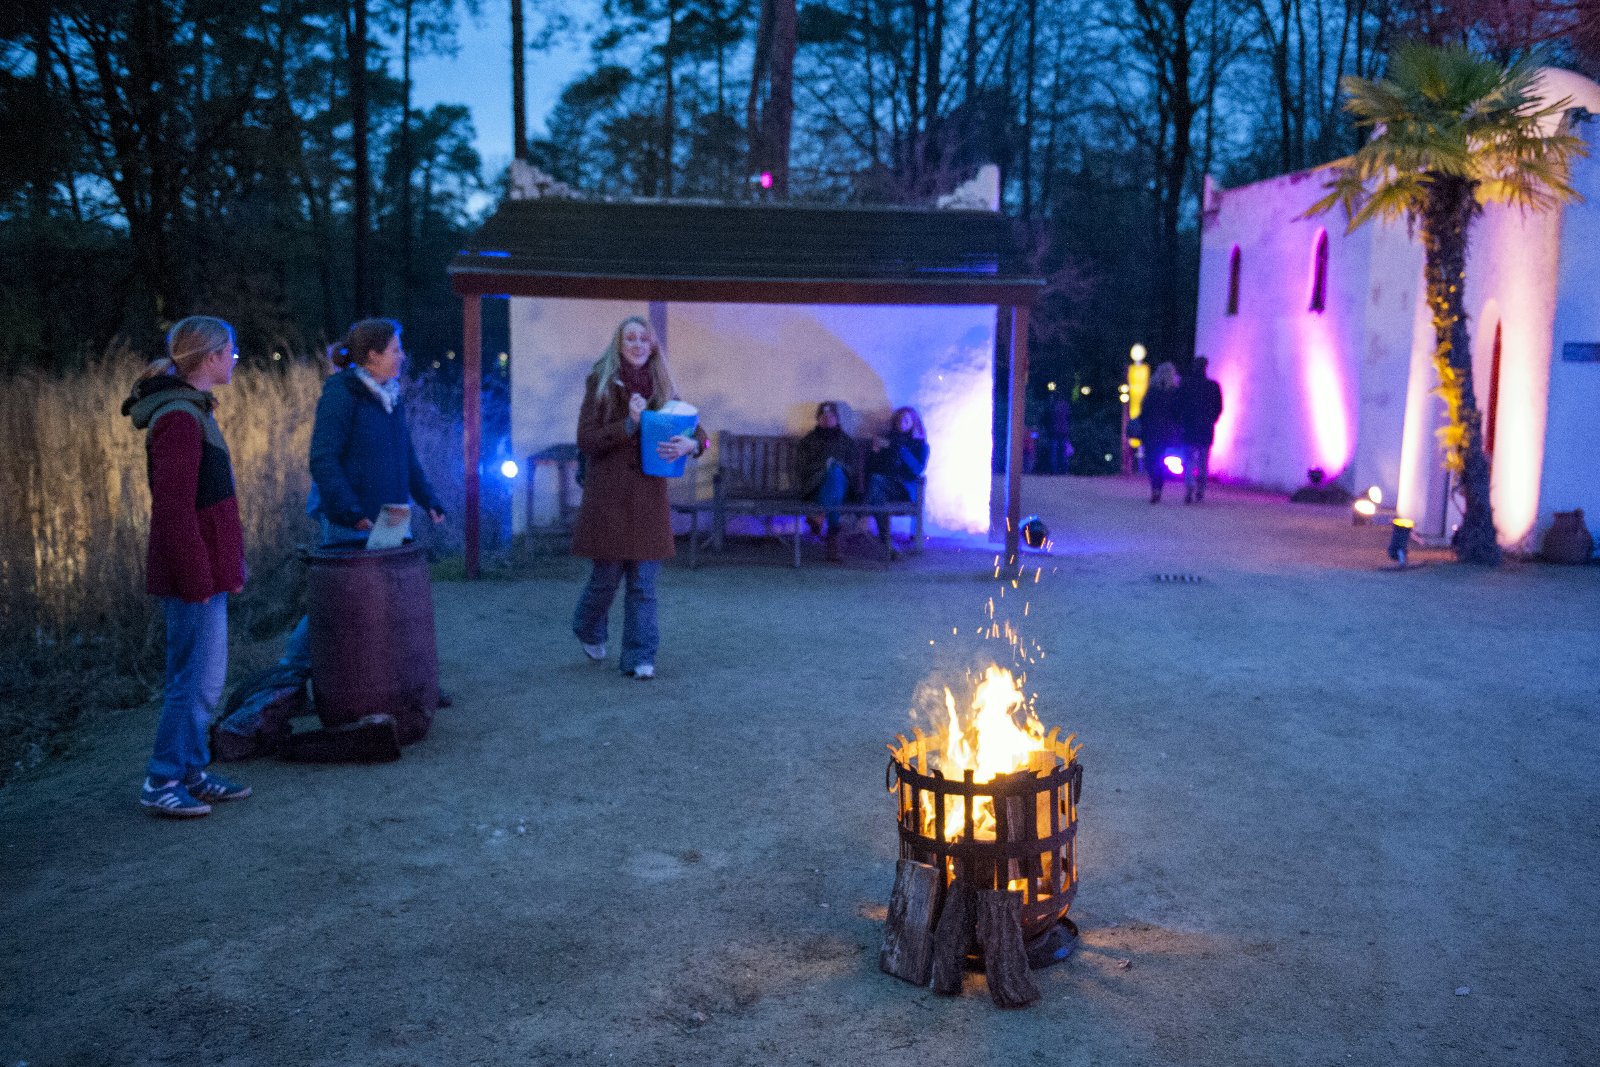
[998,734]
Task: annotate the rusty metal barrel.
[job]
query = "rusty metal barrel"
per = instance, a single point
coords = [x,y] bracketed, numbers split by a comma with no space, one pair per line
[372,641]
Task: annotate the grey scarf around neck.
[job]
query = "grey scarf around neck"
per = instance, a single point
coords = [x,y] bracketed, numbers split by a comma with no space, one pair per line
[388,393]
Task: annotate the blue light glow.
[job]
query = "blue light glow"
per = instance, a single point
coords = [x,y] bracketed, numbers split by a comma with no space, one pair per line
[509,469]
[1174,465]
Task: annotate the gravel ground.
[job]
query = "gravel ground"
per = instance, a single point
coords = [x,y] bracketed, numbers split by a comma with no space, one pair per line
[1333,814]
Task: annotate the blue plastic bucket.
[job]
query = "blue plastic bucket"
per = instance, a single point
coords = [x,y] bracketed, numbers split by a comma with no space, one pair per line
[658,426]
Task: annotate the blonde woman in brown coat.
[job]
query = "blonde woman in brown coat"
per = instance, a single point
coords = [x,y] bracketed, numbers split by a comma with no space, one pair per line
[625,521]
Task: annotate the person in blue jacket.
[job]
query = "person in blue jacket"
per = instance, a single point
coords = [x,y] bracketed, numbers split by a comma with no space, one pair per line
[361,452]
[895,467]
[361,459]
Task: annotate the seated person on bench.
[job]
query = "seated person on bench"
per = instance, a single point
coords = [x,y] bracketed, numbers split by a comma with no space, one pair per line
[896,466]
[825,460]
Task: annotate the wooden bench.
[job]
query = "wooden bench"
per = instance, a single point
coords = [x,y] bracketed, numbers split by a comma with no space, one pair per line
[756,476]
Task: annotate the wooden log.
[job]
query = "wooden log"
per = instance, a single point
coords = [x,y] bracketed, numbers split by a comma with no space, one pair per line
[954,937]
[908,930]
[1005,958]
[1015,819]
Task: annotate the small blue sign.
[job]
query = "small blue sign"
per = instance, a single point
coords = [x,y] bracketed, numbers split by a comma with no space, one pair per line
[1580,352]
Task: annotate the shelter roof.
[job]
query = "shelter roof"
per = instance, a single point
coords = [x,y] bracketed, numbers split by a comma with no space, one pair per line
[744,253]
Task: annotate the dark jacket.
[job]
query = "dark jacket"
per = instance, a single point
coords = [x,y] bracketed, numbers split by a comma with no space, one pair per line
[625,514]
[815,449]
[1199,407]
[1158,420]
[361,455]
[904,459]
[196,543]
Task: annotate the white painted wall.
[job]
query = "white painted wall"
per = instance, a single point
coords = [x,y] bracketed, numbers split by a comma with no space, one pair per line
[1571,461]
[1386,371]
[763,369]
[1288,374]
[1279,365]
[1512,270]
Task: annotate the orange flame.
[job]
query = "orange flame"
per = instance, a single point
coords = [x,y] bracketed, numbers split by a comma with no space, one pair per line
[988,740]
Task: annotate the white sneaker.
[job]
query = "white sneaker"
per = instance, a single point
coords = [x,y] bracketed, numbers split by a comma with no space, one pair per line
[595,652]
[644,671]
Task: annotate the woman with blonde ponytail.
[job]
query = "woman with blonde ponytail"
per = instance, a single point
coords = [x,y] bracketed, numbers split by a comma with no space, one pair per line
[195,559]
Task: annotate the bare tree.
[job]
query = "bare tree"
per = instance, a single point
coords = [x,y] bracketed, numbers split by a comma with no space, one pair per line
[519,86]
[770,113]
[361,158]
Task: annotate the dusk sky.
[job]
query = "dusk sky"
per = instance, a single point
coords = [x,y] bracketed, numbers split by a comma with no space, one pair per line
[480,75]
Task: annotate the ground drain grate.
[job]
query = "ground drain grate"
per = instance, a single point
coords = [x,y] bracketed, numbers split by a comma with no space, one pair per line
[1181,579]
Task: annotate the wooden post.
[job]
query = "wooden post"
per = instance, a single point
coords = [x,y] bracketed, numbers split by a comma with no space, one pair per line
[1016,418]
[1127,452]
[1005,958]
[472,416]
[908,930]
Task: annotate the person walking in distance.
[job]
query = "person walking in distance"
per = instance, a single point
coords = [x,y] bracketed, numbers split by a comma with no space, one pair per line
[1159,426]
[1199,408]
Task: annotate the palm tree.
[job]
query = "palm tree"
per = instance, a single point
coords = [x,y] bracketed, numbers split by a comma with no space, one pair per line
[1453,132]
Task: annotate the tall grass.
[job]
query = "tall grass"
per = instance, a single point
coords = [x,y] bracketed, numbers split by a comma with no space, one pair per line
[78,630]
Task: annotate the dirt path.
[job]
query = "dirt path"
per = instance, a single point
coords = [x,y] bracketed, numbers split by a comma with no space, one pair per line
[1320,800]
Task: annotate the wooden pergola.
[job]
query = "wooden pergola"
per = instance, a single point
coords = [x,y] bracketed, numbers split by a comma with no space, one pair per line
[745,254]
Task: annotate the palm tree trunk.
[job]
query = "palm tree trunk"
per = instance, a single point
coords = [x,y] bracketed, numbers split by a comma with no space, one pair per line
[1446,216]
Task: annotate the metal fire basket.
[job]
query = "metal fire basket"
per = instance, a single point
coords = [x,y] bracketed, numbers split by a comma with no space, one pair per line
[1034,848]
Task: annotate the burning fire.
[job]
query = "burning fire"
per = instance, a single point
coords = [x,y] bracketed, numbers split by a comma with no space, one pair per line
[988,740]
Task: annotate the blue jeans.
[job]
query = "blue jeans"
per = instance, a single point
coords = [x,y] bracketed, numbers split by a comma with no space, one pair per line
[640,635]
[197,665]
[297,652]
[1196,464]
[882,489]
[835,484]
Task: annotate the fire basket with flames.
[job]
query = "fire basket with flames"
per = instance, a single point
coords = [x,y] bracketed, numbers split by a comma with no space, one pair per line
[987,810]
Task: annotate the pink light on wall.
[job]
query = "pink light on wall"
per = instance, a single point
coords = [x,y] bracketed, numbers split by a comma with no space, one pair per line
[1228,370]
[1327,398]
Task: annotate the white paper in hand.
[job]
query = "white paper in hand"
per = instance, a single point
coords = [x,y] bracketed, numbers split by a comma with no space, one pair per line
[392,527]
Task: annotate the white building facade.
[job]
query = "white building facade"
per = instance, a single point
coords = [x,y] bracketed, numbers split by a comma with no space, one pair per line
[1322,343]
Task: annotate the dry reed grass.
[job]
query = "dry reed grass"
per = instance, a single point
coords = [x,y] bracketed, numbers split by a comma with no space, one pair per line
[80,631]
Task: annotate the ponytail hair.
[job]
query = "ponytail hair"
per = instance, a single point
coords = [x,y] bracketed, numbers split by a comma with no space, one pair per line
[366,336]
[189,343]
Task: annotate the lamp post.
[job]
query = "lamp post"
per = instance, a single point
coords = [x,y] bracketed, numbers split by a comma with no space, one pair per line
[1138,383]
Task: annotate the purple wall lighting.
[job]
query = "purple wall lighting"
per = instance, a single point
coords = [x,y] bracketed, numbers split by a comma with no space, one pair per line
[1328,404]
